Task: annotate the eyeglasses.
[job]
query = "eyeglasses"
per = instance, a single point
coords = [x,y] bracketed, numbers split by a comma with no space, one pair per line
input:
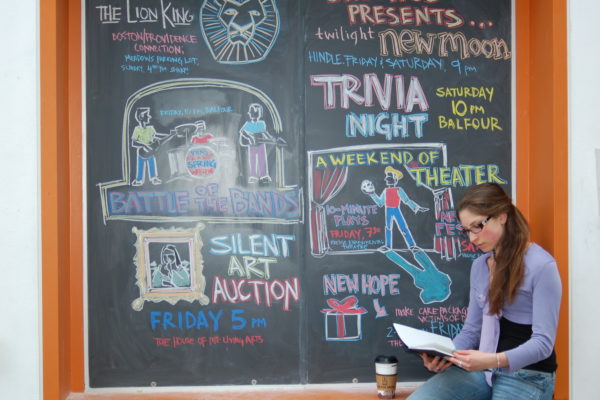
[476,229]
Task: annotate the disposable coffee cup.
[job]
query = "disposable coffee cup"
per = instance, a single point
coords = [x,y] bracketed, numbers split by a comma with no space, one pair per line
[385,376]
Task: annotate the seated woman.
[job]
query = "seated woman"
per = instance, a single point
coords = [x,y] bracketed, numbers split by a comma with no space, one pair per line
[506,347]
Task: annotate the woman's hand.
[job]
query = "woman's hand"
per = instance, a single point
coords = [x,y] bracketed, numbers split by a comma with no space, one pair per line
[435,364]
[473,360]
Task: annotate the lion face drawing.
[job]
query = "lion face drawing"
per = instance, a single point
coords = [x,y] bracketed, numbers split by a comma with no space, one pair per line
[241,19]
[239,31]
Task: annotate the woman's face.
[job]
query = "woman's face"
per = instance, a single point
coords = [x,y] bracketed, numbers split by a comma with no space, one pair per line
[490,235]
[168,258]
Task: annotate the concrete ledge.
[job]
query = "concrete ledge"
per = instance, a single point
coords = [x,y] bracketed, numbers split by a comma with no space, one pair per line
[279,394]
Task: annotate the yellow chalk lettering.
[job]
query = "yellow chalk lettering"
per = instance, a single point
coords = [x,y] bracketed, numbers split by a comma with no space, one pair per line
[445,176]
[493,171]
[457,179]
[361,158]
[480,174]
[384,156]
[467,173]
[442,122]
[432,177]
[424,158]
[321,162]
[417,172]
[397,157]
[495,125]
[351,159]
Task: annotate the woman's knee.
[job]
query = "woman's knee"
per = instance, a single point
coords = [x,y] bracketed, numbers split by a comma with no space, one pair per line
[453,384]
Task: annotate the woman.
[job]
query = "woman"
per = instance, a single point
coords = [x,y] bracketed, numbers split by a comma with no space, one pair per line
[172,272]
[506,347]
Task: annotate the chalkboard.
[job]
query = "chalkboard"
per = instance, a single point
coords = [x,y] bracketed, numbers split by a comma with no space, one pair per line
[271,184]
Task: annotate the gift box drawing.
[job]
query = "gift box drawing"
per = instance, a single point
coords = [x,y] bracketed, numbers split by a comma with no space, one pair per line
[343,319]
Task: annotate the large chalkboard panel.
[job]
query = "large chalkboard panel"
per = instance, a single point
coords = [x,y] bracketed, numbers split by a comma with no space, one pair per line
[194,194]
[407,103]
[271,184]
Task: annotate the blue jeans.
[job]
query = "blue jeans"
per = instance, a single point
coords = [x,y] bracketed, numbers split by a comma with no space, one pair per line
[457,384]
[141,163]
[393,214]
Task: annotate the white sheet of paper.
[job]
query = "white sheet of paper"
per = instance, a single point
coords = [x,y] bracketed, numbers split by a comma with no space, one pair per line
[416,339]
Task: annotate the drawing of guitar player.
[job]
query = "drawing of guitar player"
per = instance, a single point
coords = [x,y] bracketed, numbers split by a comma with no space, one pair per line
[434,284]
[146,141]
[255,137]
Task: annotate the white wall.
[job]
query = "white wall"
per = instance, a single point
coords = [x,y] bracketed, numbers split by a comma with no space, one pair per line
[584,209]
[20,362]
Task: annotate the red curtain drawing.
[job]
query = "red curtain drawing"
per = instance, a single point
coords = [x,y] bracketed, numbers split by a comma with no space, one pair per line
[448,246]
[326,184]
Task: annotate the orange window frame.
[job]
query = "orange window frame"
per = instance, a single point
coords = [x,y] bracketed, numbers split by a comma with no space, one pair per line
[541,159]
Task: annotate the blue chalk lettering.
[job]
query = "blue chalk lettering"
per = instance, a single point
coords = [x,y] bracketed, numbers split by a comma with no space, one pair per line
[202,321]
[167,318]
[154,319]
[239,322]
[215,319]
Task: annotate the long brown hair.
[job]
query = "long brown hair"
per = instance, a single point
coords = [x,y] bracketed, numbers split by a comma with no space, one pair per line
[489,199]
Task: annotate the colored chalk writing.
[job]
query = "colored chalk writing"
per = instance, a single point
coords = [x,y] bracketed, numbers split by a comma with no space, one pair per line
[271,184]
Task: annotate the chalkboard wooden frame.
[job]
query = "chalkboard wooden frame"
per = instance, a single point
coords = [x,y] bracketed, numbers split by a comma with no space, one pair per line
[125,147]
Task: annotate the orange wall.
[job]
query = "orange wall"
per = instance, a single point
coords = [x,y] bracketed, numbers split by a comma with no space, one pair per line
[541,173]
[542,143]
[55,193]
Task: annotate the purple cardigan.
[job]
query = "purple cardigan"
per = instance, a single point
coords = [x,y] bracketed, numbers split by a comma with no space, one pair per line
[537,304]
